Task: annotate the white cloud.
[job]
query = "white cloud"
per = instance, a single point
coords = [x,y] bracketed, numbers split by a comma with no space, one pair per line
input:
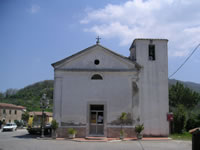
[34,8]
[176,20]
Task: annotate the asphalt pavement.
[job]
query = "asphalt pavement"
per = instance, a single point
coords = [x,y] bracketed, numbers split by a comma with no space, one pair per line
[21,140]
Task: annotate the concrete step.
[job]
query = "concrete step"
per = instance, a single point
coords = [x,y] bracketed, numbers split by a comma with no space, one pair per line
[95,138]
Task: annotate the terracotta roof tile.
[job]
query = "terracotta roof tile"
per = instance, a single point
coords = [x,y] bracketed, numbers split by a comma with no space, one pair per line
[6,105]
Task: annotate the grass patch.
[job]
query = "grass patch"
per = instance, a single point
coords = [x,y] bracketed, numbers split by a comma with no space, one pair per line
[183,136]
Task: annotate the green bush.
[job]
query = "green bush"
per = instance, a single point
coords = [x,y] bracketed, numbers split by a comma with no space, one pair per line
[139,128]
[72,131]
[192,122]
[179,119]
[18,123]
[54,124]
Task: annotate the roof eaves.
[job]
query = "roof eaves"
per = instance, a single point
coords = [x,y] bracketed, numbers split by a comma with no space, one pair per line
[7,105]
[67,58]
[123,57]
[84,50]
[132,45]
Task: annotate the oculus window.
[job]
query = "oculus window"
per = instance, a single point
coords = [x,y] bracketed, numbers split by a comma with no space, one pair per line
[96,77]
[96,61]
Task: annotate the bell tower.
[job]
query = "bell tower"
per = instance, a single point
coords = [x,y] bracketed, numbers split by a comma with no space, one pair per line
[152,55]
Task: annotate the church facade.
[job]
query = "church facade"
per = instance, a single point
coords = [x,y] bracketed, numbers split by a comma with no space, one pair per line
[94,86]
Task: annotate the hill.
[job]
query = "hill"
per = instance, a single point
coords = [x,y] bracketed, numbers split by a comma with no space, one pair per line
[191,85]
[30,95]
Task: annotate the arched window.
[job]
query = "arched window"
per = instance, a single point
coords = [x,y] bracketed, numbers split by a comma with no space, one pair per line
[96,77]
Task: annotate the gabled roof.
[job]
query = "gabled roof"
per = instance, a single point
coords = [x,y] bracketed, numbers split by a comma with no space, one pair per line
[11,106]
[89,48]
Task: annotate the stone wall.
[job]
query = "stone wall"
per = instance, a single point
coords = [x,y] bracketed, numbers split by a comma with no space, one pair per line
[113,132]
[63,132]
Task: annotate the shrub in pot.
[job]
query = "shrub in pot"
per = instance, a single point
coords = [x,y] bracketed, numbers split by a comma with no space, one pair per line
[72,133]
[54,126]
[138,129]
[122,119]
[122,134]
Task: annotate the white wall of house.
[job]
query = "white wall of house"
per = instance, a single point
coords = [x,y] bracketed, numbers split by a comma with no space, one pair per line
[10,114]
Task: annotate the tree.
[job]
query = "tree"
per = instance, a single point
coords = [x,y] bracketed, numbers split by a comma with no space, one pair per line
[178,94]
[10,92]
[193,121]
[29,96]
[18,123]
[122,119]
[1,95]
[179,119]
[25,116]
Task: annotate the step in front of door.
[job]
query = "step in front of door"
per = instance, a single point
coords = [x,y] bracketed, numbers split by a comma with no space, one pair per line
[96,138]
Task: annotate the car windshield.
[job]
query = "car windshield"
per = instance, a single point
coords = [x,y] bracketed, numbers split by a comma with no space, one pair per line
[8,124]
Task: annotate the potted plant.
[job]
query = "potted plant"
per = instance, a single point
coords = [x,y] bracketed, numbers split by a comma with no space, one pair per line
[121,134]
[72,133]
[122,119]
[54,126]
[138,129]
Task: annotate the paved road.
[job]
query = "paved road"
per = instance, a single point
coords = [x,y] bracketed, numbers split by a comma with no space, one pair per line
[20,140]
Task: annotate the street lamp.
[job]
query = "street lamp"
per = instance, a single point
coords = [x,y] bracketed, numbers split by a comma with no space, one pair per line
[44,103]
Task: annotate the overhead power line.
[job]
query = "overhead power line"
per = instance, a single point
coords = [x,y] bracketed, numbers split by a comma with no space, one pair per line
[185,61]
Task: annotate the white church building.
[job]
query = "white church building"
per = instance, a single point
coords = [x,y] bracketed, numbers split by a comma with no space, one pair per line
[94,86]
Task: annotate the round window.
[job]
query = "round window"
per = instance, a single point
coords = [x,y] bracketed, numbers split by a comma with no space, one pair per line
[96,61]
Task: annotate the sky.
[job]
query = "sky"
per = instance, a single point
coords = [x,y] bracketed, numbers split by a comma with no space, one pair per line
[36,33]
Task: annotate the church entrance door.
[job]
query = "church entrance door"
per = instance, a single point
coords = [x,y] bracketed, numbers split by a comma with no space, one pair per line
[96,120]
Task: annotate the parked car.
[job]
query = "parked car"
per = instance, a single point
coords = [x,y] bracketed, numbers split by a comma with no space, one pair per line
[9,127]
[37,130]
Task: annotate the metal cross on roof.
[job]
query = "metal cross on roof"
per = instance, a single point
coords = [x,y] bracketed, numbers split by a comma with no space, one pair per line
[98,40]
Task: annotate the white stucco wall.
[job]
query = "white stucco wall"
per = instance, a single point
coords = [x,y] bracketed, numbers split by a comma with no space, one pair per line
[153,87]
[115,90]
[74,89]
[86,60]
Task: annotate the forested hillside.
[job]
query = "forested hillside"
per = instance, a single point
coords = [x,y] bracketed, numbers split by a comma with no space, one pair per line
[191,85]
[30,95]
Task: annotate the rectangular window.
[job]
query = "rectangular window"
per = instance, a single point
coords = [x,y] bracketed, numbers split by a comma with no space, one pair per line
[4,111]
[15,112]
[10,111]
[152,52]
